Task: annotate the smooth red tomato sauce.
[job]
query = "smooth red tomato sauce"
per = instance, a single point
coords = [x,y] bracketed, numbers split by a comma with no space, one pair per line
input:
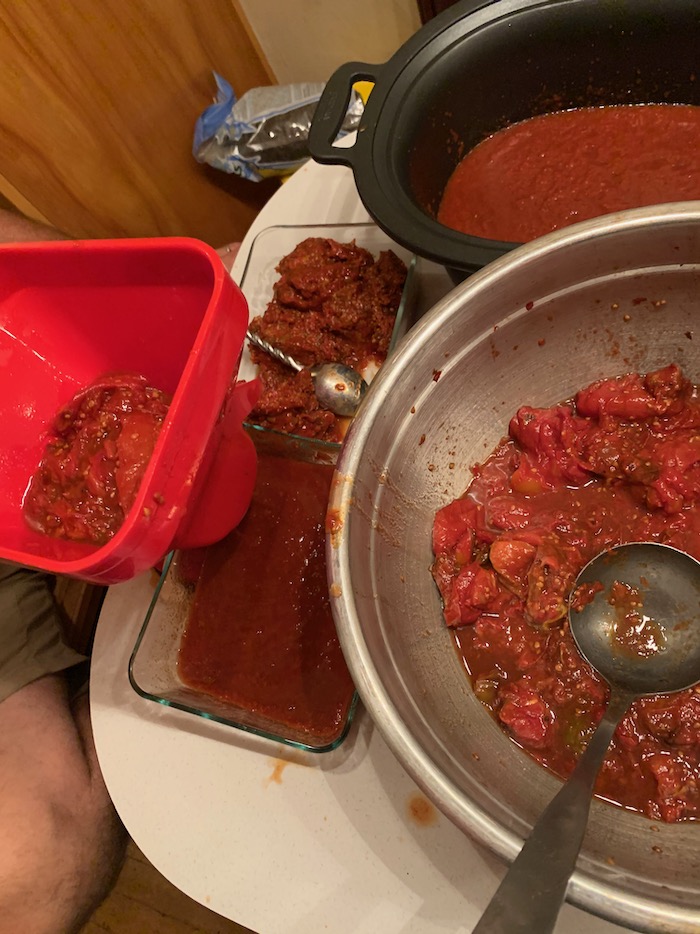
[97,453]
[619,463]
[555,169]
[260,633]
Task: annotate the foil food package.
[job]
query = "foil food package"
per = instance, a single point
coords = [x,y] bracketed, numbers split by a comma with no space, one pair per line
[265,132]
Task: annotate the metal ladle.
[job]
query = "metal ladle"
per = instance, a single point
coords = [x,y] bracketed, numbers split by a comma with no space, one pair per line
[337,387]
[650,645]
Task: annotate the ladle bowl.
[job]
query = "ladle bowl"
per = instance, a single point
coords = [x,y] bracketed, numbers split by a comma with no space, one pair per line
[650,644]
[634,614]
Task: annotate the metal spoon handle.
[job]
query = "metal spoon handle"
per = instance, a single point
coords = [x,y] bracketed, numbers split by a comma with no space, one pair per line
[273,351]
[530,896]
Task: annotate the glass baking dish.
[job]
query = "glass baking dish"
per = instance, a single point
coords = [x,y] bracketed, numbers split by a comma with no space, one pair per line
[155,663]
[153,668]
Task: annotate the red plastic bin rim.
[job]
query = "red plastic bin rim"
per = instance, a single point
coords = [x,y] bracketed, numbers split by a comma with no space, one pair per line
[82,566]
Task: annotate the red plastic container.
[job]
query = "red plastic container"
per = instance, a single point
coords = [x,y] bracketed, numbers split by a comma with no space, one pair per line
[166,309]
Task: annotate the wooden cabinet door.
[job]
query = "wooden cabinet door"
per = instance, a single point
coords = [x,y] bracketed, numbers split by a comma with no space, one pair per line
[97,110]
[430,8]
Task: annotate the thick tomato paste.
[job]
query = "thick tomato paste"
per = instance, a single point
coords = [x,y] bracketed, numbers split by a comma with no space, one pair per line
[558,168]
[333,303]
[619,463]
[98,450]
[260,634]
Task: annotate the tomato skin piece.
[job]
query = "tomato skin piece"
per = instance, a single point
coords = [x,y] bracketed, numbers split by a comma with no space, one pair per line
[134,448]
[549,581]
[549,456]
[675,481]
[452,523]
[634,396]
[512,560]
[527,716]
[473,591]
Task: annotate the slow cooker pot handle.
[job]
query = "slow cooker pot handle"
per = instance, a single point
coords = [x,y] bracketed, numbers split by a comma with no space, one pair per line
[331,109]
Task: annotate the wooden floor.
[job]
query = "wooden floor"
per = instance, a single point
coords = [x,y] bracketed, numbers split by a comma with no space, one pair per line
[144,902]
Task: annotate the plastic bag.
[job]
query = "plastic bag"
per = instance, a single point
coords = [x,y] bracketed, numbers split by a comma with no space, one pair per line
[265,132]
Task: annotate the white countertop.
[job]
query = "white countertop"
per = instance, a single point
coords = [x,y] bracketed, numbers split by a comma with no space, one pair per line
[281,841]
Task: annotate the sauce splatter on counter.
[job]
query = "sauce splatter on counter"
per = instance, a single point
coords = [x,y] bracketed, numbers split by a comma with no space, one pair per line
[421,811]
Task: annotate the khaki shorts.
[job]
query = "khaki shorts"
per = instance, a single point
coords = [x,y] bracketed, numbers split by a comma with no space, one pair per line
[31,643]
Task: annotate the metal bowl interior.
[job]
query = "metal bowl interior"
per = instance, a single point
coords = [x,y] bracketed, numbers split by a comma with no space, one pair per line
[602,298]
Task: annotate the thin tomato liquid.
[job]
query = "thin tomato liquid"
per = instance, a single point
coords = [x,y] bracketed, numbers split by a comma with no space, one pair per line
[261,634]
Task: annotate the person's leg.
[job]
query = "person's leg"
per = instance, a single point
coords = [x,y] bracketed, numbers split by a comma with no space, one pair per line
[63,843]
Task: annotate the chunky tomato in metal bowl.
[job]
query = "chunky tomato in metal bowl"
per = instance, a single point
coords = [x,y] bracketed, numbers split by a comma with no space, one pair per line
[618,463]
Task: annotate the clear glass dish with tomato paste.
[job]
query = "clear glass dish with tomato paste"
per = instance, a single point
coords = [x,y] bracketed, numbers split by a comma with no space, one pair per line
[241,632]
[307,289]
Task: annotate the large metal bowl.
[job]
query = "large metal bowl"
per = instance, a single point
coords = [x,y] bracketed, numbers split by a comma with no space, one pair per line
[601,298]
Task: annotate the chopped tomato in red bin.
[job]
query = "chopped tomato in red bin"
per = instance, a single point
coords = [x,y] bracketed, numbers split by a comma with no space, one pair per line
[98,451]
[635,396]
[620,462]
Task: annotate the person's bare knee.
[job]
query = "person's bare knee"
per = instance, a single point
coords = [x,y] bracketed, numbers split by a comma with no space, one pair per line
[53,871]
[63,843]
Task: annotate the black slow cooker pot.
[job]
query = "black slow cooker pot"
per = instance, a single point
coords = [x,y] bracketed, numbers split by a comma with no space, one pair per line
[478,67]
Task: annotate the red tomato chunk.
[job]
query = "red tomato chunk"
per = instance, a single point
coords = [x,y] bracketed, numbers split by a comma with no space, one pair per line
[618,463]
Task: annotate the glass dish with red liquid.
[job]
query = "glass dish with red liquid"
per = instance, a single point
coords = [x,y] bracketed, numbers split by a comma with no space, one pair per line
[241,632]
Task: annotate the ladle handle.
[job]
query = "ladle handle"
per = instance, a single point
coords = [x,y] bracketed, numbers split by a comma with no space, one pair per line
[530,896]
[273,351]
